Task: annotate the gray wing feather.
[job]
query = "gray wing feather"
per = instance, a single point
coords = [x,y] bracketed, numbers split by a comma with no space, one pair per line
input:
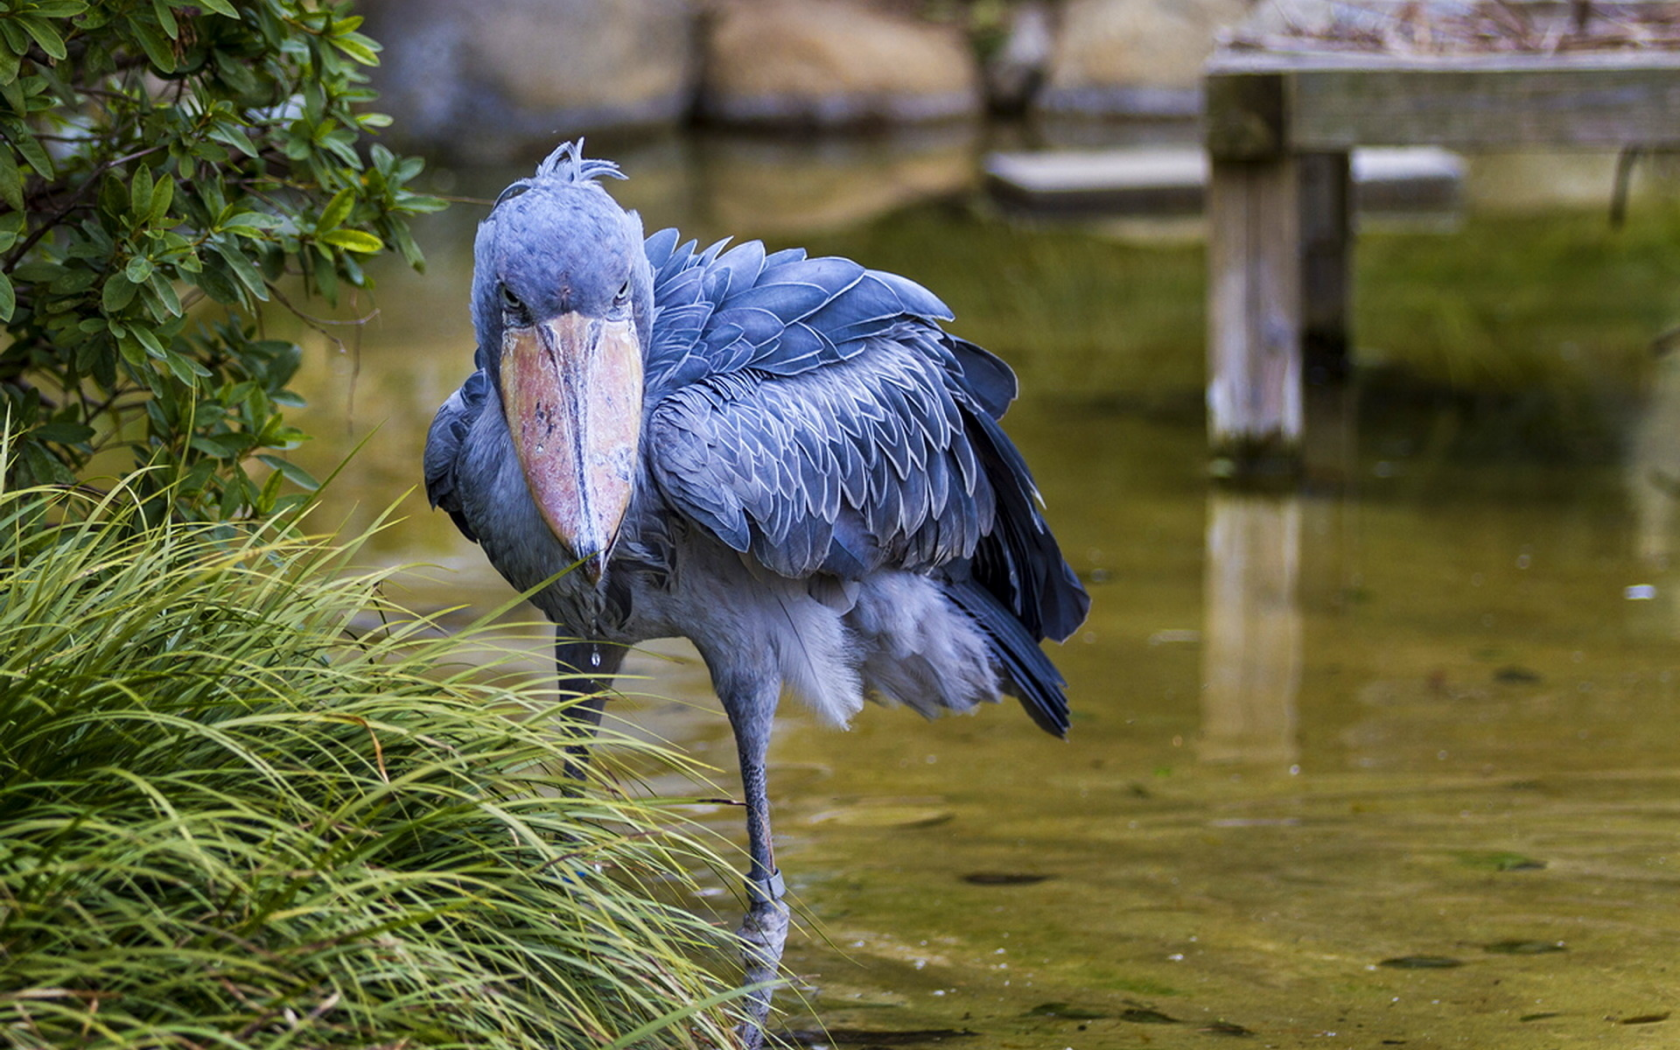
[828,470]
[444,441]
[813,414]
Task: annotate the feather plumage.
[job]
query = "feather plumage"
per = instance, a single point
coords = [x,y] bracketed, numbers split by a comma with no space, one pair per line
[813,415]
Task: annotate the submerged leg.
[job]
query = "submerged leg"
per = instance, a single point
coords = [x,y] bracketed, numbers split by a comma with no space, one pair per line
[752,708]
[586,669]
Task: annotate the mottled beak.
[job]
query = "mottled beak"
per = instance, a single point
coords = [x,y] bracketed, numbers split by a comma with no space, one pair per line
[572,391]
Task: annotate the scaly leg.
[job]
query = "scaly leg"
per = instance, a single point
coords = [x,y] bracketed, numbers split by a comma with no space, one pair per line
[765,929]
[586,669]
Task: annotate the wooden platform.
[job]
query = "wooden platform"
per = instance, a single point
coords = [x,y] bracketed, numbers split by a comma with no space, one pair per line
[1280,130]
[1153,179]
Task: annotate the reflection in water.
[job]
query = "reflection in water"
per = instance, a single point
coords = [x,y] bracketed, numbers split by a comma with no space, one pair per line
[1481,716]
[1251,651]
[1654,465]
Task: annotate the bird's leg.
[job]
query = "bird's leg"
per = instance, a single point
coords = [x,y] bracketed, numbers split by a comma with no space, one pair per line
[764,931]
[586,670]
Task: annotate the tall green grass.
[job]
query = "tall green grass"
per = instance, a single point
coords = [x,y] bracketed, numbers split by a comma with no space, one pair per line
[228,818]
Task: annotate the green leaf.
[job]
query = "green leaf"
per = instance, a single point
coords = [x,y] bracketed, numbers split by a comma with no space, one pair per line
[358,47]
[117,293]
[63,433]
[184,369]
[138,270]
[242,268]
[17,41]
[221,7]
[131,350]
[166,19]
[232,135]
[163,195]
[11,181]
[40,271]
[148,339]
[44,466]
[354,241]
[164,289]
[140,193]
[336,211]
[221,446]
[32,152]
[156,46]
[264,503]
[293,473]
[253,221]
[13,94]
[43,32]
[8,298]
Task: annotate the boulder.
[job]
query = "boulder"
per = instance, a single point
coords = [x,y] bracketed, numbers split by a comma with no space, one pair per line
[831,63]
[760,186]
[492,79]
[1134,57]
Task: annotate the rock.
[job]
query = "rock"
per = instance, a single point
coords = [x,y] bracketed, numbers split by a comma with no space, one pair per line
[831,63]
[496,78]
[756,186]
[1134,57]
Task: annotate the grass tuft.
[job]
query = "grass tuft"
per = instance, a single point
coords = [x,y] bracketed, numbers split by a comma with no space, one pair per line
[229,819]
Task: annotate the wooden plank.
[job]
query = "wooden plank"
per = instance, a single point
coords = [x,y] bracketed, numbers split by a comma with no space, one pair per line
[1236,61]
[1338,109]
[1254,315]
[1335,101]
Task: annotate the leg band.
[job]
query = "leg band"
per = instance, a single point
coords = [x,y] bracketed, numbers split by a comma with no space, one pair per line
[767,891]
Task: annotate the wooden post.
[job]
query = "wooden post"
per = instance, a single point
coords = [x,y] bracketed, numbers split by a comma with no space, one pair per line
[1279,228]
[1279,129]
[1254,315]
[1254,278]
[1326,203]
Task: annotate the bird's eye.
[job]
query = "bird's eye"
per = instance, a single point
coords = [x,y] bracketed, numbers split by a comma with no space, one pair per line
[623,294]
[510,302]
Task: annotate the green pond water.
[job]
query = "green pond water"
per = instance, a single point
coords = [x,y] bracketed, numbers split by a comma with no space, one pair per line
[1396,764]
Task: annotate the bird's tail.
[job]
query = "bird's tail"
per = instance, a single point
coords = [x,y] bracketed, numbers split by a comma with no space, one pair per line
[1019,561]
[1028,674]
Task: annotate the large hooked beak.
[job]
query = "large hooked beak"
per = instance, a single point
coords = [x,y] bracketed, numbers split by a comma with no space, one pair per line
[572,391]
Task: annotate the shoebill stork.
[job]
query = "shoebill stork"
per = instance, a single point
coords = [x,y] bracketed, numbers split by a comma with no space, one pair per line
[783,459]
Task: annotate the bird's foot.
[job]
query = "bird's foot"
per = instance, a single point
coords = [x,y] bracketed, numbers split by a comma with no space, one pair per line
[763,934]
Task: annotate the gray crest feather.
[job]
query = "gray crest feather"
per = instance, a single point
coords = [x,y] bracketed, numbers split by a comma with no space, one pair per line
[567,164]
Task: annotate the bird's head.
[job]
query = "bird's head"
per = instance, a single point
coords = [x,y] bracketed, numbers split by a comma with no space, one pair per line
[563,308]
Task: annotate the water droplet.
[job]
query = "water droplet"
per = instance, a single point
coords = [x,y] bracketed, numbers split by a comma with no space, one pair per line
[595,658]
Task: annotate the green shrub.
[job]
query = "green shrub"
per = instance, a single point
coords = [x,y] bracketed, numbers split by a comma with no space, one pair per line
[156,155]
[245,801]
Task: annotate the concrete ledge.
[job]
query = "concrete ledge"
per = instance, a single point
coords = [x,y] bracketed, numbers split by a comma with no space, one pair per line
[1174,179]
